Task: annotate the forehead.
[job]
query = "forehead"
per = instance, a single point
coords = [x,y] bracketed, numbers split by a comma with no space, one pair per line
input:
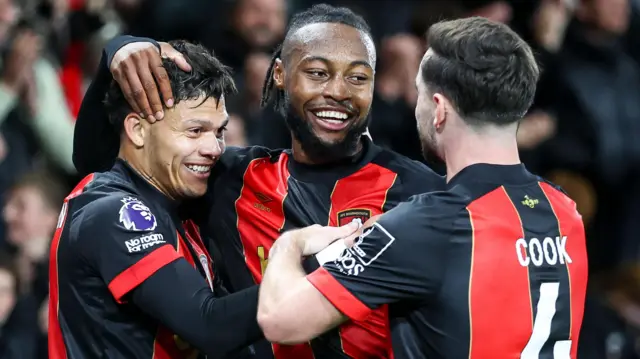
[335,42]
[209,110]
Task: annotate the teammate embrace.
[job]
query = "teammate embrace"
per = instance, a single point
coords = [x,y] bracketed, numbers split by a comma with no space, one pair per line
[425,280]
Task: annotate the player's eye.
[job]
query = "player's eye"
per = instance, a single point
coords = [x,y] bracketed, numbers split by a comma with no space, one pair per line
[358,79]
[194,131]
[221,131]
[315,73]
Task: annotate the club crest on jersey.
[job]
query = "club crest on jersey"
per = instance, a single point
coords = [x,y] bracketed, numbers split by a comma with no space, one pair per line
[136,216]
[348,215]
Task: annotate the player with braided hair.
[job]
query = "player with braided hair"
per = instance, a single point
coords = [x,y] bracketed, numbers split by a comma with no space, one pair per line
[321,80]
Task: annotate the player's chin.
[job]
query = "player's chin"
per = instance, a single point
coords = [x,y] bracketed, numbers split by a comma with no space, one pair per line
[194,190]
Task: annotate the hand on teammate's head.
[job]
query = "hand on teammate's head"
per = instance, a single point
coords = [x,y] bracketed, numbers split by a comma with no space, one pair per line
[137,68]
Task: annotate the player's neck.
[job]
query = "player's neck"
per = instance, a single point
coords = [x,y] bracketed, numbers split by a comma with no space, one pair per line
[300,156]
[142,168]
[473,148]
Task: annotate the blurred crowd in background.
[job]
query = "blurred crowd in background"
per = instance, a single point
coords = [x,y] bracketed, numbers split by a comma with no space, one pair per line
[583,131]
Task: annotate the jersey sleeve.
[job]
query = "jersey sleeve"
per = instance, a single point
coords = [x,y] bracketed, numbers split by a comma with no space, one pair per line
[401,257]
[124,242]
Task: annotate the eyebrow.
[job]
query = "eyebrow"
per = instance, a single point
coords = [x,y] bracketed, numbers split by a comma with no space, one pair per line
[326,61]
[206,123]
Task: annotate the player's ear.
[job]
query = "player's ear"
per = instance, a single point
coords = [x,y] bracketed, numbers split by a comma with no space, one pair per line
[440,110]
[135,129]
[278,74]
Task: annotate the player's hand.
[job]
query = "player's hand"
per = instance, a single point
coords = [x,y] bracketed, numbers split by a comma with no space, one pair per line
[313,239]
[137,67]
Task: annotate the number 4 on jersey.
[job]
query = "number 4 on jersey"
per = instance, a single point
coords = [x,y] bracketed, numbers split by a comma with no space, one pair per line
[546,309]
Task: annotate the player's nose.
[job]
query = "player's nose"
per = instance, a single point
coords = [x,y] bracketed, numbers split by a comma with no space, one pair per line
[337,89]
[212,149]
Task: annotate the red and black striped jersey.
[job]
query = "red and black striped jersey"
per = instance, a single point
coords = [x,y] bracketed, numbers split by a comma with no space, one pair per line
[124,268]
[257,194]
[493,267]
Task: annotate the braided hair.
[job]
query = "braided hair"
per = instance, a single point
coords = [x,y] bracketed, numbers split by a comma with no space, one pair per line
[317,14]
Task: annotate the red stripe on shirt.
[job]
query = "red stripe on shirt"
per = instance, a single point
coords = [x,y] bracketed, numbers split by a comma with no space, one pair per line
[498,284]
[571,225]
[361,196]
[133,276]
[338,295]
[56,346]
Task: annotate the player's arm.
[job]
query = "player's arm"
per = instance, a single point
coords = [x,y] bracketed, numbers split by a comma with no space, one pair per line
[393,260]
[135,255]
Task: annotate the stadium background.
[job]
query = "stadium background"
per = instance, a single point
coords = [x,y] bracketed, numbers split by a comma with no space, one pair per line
[583,131]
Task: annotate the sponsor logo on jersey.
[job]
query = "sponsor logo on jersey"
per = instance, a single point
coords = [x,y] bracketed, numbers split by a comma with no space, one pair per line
[138,244]
[530,202]
[136,216]
[364,252]
[349,215]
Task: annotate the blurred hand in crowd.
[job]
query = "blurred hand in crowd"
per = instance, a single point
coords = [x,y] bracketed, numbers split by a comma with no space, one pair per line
[498,11]
[8,291]
[534,129]
[29,94]
[19,62]
[550,23]
[400,58]
[8,17]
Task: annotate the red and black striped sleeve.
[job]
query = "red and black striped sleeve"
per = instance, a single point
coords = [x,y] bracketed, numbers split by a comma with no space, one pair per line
[401,257]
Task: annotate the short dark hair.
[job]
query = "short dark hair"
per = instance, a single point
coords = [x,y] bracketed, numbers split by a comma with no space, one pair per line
[486,70]
[208,77]
[317,14]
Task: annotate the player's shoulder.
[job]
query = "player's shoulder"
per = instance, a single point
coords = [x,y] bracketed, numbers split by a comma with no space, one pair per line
[410,171]
[433,211]
[110,200]
[559,198]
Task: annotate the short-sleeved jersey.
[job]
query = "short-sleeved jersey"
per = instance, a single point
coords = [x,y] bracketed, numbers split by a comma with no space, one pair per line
[115,230]
[493,267]
[259,193]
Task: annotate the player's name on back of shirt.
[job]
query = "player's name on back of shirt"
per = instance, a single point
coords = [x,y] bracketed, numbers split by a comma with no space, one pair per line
[540,252]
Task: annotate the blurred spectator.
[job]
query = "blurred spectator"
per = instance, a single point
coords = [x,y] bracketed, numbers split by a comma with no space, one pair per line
[254,25]
[31,214]
[611,327]
[33,114]
[235,134]
[592,88]
[18,329]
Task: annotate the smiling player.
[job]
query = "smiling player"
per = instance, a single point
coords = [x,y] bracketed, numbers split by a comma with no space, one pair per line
[321,80]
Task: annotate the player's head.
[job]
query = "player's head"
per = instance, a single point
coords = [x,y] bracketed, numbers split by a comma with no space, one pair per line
[177,153]
[321,80]
[476,76]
